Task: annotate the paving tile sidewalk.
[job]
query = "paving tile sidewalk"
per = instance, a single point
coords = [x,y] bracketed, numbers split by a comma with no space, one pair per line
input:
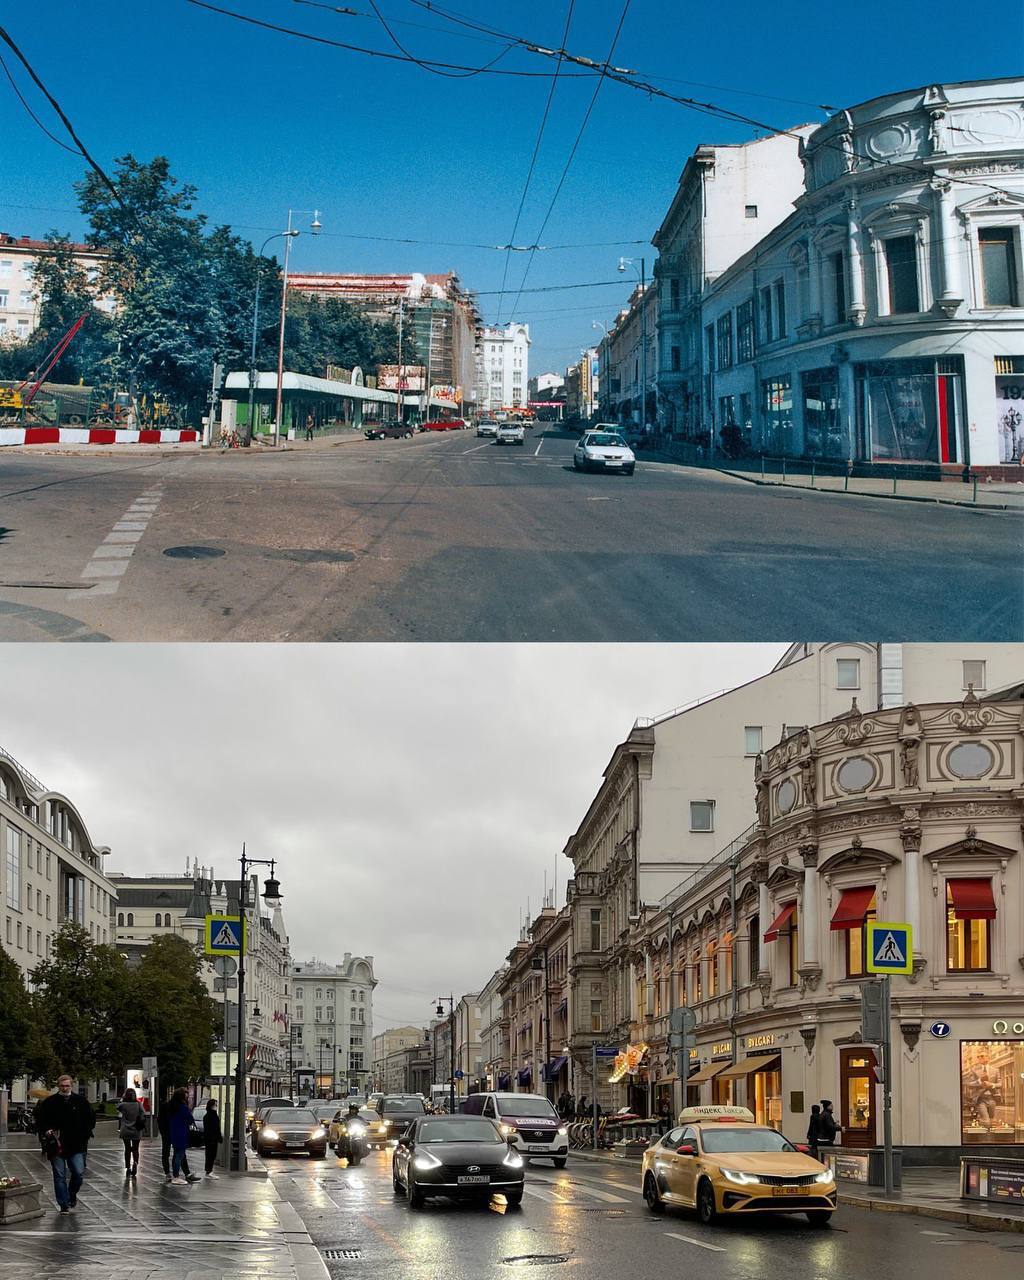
[234,1226]
[932,1192]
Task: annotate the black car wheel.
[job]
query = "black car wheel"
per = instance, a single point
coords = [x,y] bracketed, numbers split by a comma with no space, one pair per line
[354,1158]
[513,1199]
[629,470]
[559,1161]
[706,1210]
[652,1195]
[395,1183]
[416,1197]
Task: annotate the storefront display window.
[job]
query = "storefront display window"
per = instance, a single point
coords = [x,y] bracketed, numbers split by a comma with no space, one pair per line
[1010,408]
[857,1085]
[910,410]
[767,1097]
[992,1091]
[777,408]
[823,433]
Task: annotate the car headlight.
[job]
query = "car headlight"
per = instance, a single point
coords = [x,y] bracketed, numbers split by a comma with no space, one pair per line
[318,1133]
[272,1134]
[356,1130]
[425,1160]
[824,1176]
[563,1131]
[514,1160]
[743,1179]
[507,1130]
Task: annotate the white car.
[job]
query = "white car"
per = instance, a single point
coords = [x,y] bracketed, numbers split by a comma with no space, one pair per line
[510,433]
[487,428]
[603,451]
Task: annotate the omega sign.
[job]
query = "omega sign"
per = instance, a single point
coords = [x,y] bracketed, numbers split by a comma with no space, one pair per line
[1002,1027]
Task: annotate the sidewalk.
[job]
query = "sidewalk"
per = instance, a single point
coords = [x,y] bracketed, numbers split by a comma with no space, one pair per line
[233,1228]
[932,1192]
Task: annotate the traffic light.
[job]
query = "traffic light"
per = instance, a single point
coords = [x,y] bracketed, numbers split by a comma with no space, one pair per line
[872,1020]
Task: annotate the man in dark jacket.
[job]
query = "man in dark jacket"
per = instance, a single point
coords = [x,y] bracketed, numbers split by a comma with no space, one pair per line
[163,1123]
[212,1136]
[65,1123]
[828,1130]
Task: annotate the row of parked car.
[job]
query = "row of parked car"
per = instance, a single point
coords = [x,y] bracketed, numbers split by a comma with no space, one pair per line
[396,430]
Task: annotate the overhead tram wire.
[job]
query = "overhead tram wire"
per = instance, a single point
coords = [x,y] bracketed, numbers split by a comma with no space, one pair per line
[436,71]
[24,102]
[575,147]
[533,163]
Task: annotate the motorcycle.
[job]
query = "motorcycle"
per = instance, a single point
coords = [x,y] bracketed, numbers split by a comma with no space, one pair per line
[353,1142]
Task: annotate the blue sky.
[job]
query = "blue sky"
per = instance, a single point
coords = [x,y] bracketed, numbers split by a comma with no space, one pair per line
[261,122]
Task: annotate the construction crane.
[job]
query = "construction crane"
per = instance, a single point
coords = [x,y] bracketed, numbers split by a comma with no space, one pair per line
[20,397]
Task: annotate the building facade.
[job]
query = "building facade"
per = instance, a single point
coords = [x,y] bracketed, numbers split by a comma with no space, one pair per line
[680,789]
[51,872]
[882,322]
[911,813]
[583,386]
[385,1045]
[467,1042]
[19,294]
[502,367]
[534,993]
[620,361]
[727,199]
[494,1054]
[151,906]
[332,1024]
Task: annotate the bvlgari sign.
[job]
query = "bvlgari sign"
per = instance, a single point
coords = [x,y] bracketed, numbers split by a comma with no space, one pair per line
[766,1041]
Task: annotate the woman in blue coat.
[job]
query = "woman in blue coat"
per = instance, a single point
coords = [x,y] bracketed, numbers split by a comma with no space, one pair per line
[180,1126]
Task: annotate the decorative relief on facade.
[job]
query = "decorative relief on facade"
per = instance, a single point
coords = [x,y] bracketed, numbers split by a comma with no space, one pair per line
[895,138]
[986,128]
[855,822]
[971,714]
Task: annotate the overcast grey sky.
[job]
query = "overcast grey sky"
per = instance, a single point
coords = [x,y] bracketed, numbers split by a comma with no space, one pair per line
[415,795]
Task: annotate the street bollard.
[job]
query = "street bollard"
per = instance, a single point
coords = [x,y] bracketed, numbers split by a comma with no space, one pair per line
[975,497]
[894,485]
[762,466]
[812,472]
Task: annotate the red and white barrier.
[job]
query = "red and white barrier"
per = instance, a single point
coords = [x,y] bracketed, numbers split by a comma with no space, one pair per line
[95,435]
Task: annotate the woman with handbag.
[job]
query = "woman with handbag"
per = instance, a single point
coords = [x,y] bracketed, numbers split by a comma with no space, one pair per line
[131,1122]
[181,1125]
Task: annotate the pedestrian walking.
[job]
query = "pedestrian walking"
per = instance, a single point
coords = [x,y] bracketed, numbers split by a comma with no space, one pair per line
[180,1127]
[828,1129]
[213,1136]
[814,1129]
[582,1110]
[177,1101]
[664,1115]
[562,1104]
[570,1107]
[65,1123]
[310,422]
[130,1124]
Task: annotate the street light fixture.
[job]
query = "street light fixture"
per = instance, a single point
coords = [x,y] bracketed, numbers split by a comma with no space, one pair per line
[315,227]
[289,236]
[642,276]
[271,893]
[451,1044]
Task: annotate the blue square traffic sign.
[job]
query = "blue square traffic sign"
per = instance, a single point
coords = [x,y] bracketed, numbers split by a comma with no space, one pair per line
[890,947]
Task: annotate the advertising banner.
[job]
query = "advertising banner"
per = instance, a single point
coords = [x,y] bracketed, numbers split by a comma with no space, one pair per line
[405,377]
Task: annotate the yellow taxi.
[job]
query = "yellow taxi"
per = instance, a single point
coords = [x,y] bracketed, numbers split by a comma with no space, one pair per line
[720,1161]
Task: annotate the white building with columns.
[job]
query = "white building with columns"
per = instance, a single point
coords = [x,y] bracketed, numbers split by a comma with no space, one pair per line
[882,322]
[332,1025]
[502,367]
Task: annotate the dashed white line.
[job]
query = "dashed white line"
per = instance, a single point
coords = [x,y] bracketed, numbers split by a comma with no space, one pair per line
[109,562]
[486,445]
[538,448]
[701,1244]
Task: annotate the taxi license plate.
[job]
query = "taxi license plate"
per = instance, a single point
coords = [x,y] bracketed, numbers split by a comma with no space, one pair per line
[467,1179]
[787,1191]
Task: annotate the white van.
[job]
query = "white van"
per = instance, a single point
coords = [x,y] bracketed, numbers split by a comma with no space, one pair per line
[528,1120]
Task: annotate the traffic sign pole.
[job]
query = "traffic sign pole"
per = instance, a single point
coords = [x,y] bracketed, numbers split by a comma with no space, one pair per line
[887,1082]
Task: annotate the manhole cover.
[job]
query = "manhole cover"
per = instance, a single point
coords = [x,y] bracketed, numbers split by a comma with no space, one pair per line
[342,1255]
[193,553]
[536,1259]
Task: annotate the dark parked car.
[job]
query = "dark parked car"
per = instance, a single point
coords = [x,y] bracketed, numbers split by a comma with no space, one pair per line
[389,431]
[397,1111]
[290,1129]
[456,1156]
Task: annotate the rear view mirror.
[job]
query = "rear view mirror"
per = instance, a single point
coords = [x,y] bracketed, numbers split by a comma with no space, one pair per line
[687,1149]
[802,1146]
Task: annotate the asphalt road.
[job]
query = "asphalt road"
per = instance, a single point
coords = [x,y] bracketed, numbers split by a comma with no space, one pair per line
[589,1222]
[447,537]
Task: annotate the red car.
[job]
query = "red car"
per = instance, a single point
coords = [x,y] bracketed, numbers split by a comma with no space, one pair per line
[445,424]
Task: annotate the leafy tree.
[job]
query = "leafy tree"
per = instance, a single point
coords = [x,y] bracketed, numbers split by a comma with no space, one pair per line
[15,1020]
[85,1005]
[319,332]
[178,1020]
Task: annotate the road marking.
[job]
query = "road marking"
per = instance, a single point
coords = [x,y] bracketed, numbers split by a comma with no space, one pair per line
[936,1233]
[598,1195]
[486,445]
[551,1196]
[109,562]
[538,448]
[701,1244]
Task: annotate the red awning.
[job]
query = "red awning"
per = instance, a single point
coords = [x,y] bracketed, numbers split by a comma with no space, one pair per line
[853,907]
[780,922]
[972,899]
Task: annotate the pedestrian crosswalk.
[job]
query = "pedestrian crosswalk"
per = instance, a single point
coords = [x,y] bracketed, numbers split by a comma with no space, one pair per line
[568,1190]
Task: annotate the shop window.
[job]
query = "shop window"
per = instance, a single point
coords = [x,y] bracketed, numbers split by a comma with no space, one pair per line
[702,815]
[900,257]
[823,433]
[970,909]
[910,410]
[777,410]
[721,1092]
[992,1091]
[847,673]
[974,674]
[727,411]
[998,252]
[752,735]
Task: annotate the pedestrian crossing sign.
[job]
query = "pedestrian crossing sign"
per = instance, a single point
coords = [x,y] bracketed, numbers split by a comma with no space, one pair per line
[223,936]
[890,947]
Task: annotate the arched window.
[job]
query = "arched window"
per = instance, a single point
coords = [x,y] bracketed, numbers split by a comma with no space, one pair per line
[120,918]
[167,919]
[158,919]
[131,918]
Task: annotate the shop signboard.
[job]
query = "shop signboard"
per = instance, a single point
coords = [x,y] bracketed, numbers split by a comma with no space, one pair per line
[847,1164]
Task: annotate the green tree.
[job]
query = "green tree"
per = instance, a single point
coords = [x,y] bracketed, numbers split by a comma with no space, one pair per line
[332,331]
[16,1021]
[178,1020]
[85,1004]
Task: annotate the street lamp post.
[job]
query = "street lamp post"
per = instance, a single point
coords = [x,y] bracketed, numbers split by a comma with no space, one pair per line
[271,893]
[642,274]
[289,236]
[315,227]
[451,1044]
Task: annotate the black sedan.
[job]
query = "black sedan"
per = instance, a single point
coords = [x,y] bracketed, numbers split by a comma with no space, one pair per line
[397,1111]
[389,431]
[285,1130]
[457,1156]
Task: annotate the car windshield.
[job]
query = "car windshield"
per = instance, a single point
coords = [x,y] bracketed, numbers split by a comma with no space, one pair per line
[742,1140]
[264,1103]
[325,1112]
[458,1131]
[289,1115]
[526,1107]
[404,1104]
[604,438]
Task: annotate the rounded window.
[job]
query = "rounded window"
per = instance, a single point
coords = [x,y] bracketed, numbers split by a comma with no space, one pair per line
[785,796]
[856,774]
[970,760]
